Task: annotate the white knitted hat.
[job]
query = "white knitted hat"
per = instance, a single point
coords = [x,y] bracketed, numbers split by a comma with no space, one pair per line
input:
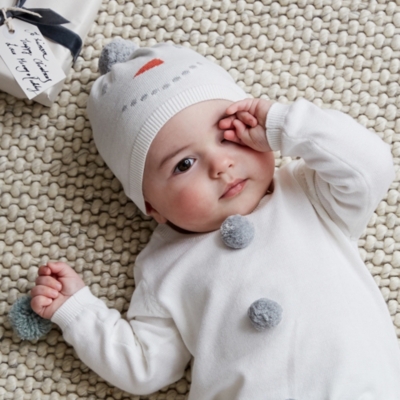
[139,91]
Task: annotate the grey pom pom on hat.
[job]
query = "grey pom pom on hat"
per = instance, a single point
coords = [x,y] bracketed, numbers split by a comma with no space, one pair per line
[118,51]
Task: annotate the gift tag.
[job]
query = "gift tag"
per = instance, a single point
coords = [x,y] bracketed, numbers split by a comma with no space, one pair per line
[27,55]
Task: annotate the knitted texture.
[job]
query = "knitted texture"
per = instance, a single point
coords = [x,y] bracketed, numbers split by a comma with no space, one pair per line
[59,200]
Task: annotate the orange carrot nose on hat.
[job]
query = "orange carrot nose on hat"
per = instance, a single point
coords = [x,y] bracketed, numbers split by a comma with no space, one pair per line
[139,91]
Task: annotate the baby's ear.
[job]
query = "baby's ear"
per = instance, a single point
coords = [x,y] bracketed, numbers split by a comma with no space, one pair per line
[154,213]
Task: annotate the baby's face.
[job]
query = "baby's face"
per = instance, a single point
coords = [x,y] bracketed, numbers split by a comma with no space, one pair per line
[195,179]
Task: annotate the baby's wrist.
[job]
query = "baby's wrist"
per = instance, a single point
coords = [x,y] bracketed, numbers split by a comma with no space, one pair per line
[266,105]
[72,307]
[274,124]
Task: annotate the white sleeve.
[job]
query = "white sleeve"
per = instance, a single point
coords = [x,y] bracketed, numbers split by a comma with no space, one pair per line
[346,168]
[140,355]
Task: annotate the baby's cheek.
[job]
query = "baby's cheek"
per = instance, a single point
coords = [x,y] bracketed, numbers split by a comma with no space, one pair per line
[193,203]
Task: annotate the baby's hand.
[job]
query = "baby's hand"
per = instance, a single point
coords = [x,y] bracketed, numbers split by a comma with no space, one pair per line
[246,123]
[57,282]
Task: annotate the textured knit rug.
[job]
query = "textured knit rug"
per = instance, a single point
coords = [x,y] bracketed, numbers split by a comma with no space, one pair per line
[59,201]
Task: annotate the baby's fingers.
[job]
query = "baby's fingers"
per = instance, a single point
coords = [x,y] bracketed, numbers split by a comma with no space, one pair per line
[247,118]
[42,290]
[232,137]
[49,282]
[226,123]
[39,304]
[242,132]
[58,269]
[247,136]
[241,105]
[44,270]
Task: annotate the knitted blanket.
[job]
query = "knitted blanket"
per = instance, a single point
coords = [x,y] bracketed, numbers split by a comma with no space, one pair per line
[59,201]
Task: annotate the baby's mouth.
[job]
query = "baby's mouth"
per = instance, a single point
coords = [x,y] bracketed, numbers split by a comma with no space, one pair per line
[234,188]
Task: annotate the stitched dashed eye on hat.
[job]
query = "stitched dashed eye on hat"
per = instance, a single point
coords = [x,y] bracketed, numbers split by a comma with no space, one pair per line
[139,90]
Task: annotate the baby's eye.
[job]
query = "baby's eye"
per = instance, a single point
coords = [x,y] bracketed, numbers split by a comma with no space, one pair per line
[183,165]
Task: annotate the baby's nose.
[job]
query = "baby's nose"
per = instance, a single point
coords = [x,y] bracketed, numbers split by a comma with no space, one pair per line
[220,162]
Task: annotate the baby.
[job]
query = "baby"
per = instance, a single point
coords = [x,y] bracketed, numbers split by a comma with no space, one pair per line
[191,149]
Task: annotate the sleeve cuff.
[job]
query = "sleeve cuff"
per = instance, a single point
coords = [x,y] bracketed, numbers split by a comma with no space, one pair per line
[274,124]
[73,307]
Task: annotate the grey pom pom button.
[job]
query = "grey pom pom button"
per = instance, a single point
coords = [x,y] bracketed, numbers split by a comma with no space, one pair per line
[265,313]
[237,231]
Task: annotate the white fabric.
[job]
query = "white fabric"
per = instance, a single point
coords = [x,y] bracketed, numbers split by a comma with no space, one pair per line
[129,105]
[336,340]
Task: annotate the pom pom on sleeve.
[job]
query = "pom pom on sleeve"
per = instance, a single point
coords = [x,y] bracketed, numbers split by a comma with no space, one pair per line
[26,323]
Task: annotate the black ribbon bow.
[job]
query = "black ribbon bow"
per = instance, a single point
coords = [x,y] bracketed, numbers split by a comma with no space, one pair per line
[49,25]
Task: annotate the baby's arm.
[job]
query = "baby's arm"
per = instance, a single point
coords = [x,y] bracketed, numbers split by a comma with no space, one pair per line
[139,355]
[346,168]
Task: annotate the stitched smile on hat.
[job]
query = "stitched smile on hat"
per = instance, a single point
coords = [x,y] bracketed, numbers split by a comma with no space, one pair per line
[151,64]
